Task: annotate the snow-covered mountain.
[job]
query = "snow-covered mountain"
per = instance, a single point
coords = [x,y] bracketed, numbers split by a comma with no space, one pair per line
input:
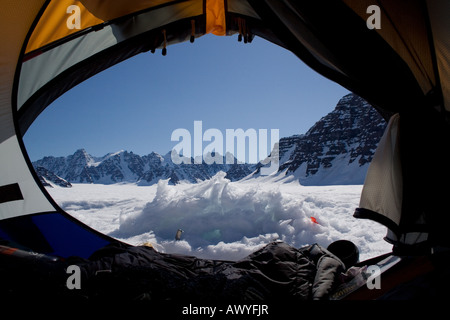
[49,179]
[124,166]
[336,150]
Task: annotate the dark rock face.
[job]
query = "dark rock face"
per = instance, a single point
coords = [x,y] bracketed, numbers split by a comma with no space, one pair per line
[349,133]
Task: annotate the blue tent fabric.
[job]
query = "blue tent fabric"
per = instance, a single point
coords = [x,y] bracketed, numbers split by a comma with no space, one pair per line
[53,234]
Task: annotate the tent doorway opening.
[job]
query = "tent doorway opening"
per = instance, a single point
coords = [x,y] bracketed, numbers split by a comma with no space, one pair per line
[400,68]
[111,137]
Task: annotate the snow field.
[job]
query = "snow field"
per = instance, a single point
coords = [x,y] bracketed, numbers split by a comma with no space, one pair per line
[222,219]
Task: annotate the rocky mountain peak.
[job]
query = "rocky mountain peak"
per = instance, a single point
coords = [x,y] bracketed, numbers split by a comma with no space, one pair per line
[349,133]
[335,150]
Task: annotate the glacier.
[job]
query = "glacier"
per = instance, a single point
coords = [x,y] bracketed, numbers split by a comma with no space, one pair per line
[222,219]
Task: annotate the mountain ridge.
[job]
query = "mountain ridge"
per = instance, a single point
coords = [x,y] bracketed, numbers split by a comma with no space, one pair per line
[124,166]
[349,133]
[335,150]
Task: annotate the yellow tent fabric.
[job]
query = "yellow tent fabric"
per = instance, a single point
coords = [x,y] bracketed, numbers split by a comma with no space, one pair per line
[215,17]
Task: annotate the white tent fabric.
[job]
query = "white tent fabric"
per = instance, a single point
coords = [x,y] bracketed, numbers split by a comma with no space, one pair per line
[383,185]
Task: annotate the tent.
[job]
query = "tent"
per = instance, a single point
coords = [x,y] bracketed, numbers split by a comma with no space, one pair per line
[396,55]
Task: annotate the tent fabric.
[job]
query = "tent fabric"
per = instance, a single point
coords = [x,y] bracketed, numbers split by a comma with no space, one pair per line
[404,28]
[440,25]
[379,197]
[420,39]
[402,69]
[52,234]
[215,17]
[351,54]
[55,23]
[52,62]
[14,168]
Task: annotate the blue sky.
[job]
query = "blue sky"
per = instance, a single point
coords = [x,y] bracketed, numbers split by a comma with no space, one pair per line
[226,84]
